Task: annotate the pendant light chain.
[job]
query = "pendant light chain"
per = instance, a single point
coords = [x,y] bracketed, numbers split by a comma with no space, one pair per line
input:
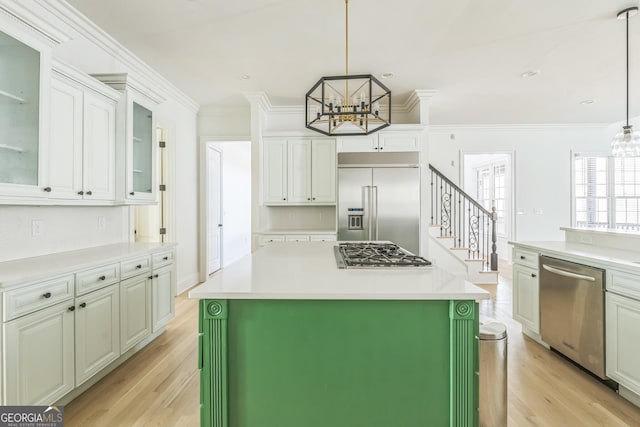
[346,7]
[627,19]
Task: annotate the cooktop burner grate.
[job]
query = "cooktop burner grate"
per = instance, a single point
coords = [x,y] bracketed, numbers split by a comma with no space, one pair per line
[368,254]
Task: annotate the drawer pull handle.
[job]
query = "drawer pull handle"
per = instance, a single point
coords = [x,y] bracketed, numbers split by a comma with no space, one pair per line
[150,277]
[155,275]
[102,278]
[83,305]
[88,193]
[522,257]
[47,189]
[133,193]
[72,308]
[47,295]
[139,266]
[165,258]
[533,275]
[80,192]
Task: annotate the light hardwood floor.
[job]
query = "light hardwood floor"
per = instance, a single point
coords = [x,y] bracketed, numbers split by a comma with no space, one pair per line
[159,386]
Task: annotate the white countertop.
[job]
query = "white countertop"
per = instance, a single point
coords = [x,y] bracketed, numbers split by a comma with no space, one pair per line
[24,270]
[307,270]
[587,252]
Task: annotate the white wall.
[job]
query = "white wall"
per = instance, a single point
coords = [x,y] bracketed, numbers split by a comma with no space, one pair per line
[541,165]
[93,51]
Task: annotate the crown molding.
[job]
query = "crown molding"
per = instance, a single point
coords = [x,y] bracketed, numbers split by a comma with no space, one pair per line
[124,81]
[510,127]
[73,74]
[85,27]
[414,100]
[29,18]
[260,99]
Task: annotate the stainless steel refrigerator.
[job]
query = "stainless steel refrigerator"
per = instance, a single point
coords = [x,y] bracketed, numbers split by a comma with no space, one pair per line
[378,200]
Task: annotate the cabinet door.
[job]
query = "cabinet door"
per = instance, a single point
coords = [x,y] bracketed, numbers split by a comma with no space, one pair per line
[163,295]
[274,181]
[24,113]
[142,180]
[97,331]
[99,148]
[358,144]
[526,305]
[623,340]
[299,171]
[398,141]
[323,171]
[65,142]
[135,311]
[39,356]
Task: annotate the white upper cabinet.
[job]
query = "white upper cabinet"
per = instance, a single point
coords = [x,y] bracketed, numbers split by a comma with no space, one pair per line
[136,142]
[25,65]
[299,171]
[384,141]
[82,139]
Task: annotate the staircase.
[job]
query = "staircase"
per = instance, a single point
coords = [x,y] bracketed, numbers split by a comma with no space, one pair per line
[462,232]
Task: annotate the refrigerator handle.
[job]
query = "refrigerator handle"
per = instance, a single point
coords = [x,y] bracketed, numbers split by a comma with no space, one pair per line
[366,204]
[375,212]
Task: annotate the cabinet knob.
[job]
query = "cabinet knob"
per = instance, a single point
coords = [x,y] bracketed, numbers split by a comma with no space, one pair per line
[132,193]
[88,193]
[165,258]
[47,295]
[81,192]
[150,277]
[102,278]
[314,198]
[522,257]
[83,305]
[284,198]
[381,148]
[308,198]
[533,275]
[375,148]
[219,225]
[139,266]
[155,275]
[72,308]
[47,189]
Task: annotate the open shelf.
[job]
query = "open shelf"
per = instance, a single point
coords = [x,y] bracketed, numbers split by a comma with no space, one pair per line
[12,148]
[12,97]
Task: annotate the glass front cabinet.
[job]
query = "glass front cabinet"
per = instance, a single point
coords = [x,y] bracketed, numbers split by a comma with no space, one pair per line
[25,64]
[137,144]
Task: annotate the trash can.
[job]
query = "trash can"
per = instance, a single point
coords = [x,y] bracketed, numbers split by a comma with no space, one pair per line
[492,349]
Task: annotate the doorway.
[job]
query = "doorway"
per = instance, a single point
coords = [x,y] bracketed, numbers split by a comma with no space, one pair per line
[488,178]
[150,222]
[225,216]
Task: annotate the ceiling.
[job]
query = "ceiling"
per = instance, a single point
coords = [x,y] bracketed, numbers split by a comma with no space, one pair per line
[471,52]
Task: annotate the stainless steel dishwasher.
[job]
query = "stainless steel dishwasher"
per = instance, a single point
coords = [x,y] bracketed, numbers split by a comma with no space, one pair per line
[572,311]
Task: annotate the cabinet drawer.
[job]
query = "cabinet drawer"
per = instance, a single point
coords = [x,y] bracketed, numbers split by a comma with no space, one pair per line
[135,266]
[96,278]
[323,238]
[265,240]
[27,299]
[525,257]
[297,238]
[161,258]
[623,283]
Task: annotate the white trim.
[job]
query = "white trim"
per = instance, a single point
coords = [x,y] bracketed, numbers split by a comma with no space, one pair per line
[80,77]
[511,127]
[17,11]
[72,17]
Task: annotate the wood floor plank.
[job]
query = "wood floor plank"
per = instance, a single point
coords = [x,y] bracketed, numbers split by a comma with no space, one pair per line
[159,386]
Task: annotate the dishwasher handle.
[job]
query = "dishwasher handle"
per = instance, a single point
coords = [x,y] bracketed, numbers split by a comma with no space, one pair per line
[568,273]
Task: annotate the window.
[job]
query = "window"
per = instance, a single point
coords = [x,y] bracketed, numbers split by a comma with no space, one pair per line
[607,192]
[491,182]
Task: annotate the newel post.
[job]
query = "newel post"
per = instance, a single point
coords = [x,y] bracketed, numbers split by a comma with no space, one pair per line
[494,239]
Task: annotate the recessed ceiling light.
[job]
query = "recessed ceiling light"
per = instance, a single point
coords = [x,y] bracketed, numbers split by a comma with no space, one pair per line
[530,73]
[245,76]
[387,75]
[587,101]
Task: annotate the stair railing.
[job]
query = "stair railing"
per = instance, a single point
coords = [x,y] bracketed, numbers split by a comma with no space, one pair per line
[458,215]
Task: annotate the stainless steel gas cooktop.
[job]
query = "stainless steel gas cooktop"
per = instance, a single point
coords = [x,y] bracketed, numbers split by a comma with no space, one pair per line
[376,255]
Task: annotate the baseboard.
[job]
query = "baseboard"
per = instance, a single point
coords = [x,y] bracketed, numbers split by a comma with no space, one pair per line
[187,283]
[629,395]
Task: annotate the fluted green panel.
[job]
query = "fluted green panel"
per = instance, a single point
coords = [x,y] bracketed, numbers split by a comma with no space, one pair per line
[464,363]
[214,407]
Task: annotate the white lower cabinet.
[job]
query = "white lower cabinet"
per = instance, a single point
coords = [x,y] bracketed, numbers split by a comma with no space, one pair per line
[623,340]
[97,322]
[39,356]
[526,305]
[135,311]
[163,296]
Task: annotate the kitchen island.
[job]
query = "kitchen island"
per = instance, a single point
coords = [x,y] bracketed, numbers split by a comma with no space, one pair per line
[289,340]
